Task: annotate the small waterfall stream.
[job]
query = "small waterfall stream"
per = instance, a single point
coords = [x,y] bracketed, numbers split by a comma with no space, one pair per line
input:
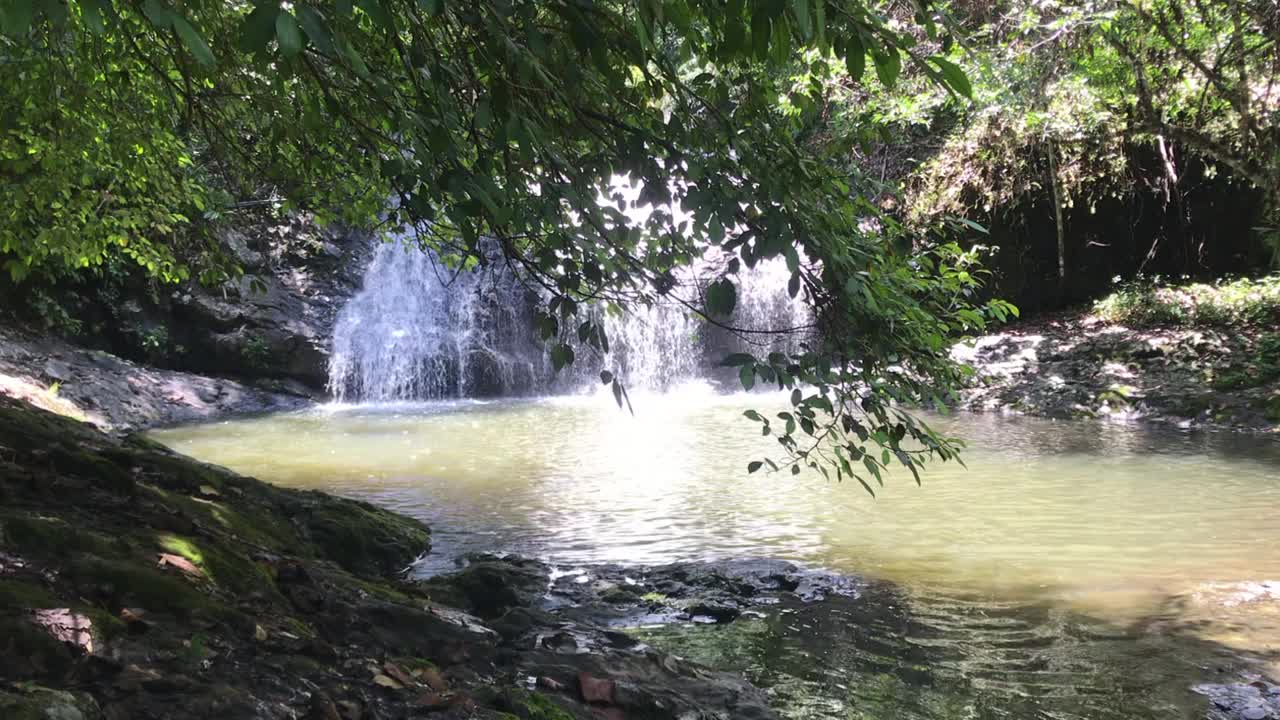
[419,331]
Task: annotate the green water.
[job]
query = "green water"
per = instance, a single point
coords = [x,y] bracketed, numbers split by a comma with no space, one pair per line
[1067,557]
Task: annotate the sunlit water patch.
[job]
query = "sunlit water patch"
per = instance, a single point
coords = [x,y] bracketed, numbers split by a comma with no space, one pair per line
[1065,559]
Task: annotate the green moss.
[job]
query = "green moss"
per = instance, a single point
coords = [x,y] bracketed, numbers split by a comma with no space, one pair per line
[41,536]
[32,702]
[142,586]
[17,594]
[413,663]
[183,547]
[541,707]
[1226,303]
[260,528]
[1272,408]
[383,591]
[225,568]
[366,540]
[299,628]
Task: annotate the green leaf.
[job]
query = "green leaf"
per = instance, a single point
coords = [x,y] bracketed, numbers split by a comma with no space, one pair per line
[722,297]
[748,377]
[754,465]
[196,44]
[288,35]
[954,76]
[561,356]
[801,10]
[92,13]
[317,31]
[855,58]
[16,17]
[159,15]
[888,66]
[606,377]
[258,28]
[378,12]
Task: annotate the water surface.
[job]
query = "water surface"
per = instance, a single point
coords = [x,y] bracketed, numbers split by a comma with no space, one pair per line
[1066,553]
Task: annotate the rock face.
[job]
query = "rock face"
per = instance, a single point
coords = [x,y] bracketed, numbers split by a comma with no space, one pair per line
[136,583]
[119,395]
[272,322]
[276,320]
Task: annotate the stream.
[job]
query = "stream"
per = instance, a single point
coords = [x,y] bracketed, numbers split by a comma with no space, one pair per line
[1073,570]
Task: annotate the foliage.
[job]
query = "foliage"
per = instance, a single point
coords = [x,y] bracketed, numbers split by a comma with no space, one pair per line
[1232,302]
[1063,90]
[516,122]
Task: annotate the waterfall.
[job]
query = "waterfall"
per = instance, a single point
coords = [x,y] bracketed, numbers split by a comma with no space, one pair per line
[765,304]
[417,330]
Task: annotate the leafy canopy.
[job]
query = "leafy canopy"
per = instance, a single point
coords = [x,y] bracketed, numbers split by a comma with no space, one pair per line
[134,126]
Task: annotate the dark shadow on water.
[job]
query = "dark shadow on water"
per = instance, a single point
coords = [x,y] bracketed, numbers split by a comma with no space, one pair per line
[887,656]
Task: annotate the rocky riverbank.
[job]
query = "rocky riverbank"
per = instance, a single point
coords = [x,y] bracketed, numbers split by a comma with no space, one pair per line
[136,583]
[119,395]
[1079,365]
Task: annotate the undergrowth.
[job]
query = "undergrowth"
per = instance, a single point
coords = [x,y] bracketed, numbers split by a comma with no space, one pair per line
[1227,302]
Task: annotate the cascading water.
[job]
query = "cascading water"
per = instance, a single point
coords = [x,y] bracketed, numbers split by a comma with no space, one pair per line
[418,331]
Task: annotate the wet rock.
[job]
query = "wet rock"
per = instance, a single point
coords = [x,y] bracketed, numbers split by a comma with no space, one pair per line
[322,707]
[119,395]
[1257,700]
[39,703]
[594,689]
[490,586]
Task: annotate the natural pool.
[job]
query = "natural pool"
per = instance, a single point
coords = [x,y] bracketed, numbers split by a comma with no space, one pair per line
[1073,570]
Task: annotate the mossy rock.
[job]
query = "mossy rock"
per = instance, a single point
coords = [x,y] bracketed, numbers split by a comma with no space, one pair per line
[39,703]
[28,652]
[1271,408]
[50,537]
[531,705]
[25,595]
[131,584]
[224,567]
[365,540]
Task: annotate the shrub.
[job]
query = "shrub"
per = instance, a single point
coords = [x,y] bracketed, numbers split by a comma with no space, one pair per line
[1227,302]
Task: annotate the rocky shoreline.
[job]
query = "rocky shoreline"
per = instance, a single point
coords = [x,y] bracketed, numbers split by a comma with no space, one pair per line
[136,583]
[121,396]
[1076,366]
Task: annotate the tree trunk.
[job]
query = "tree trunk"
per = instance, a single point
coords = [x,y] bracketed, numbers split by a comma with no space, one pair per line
[1055,183]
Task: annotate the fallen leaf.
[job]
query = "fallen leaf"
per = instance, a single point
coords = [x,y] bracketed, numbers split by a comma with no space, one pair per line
[550,683]
[434,679]
[431,701]
[181,563]
[398,673]
[209,490]
[259,633]
[66,626]
[387,682]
